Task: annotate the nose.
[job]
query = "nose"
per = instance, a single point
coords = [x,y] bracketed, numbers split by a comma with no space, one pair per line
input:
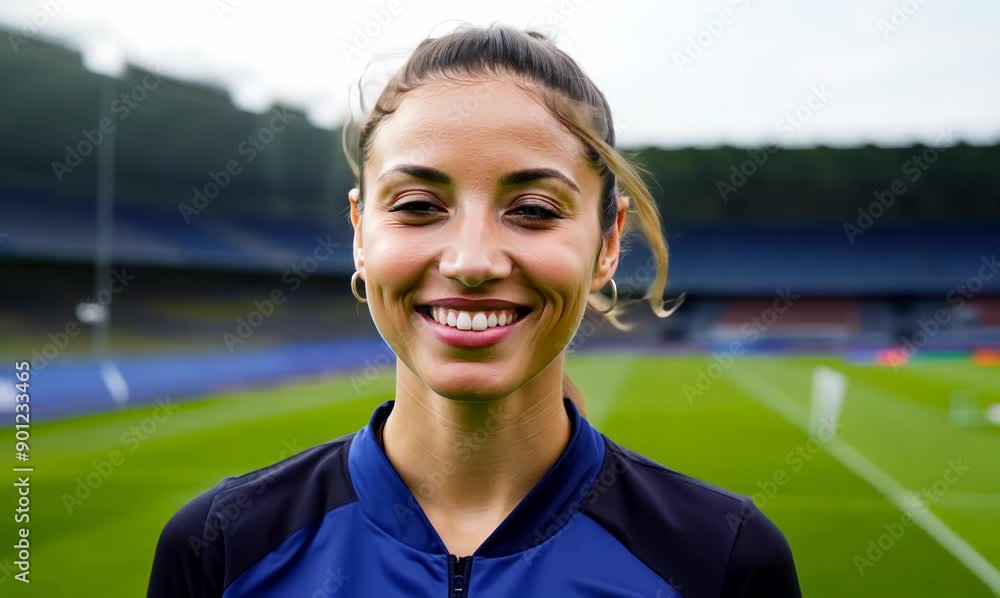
[474,250]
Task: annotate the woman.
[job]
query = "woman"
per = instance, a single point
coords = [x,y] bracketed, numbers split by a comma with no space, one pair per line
[488,214]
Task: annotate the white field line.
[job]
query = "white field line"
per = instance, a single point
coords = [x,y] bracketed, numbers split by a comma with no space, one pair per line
[908,502]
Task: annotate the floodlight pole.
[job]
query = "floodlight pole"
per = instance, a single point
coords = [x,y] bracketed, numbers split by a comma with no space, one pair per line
[105,221]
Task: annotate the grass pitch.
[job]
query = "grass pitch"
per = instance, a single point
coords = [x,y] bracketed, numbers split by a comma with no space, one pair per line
[741,428]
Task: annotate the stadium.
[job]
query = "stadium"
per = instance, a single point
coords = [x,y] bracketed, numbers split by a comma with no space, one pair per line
[183,301]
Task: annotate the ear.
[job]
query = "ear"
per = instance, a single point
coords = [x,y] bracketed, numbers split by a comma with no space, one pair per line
[607,260]
[359,252]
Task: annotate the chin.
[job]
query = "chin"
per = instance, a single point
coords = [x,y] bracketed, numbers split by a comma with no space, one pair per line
[470,382]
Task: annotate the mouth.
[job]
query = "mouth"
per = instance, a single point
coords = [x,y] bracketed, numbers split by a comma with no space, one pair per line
[472,326]
[473,320]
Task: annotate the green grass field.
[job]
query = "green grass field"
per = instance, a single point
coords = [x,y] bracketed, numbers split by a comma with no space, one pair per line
[743,432]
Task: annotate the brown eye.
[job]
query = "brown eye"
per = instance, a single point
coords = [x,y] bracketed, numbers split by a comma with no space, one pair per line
[415,207]
[536,211]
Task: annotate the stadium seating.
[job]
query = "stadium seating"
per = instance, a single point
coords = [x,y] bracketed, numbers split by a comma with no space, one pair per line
[708,261]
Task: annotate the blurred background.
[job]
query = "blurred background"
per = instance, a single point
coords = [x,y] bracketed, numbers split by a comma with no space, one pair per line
[175,251]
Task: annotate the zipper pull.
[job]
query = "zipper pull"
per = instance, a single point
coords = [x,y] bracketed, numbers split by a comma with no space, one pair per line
[459,579]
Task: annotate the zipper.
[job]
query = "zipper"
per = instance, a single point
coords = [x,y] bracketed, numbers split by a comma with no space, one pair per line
[459,569]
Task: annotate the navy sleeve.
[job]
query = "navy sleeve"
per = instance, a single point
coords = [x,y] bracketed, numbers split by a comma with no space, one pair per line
[761,564]
[190,555]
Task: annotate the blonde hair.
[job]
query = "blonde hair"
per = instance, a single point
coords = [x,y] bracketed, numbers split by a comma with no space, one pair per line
[534,62]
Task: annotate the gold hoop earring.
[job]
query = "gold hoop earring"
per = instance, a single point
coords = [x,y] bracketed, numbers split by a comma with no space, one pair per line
[614,299]
[354,287]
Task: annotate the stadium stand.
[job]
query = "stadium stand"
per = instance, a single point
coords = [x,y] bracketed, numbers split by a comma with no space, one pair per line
[204,245]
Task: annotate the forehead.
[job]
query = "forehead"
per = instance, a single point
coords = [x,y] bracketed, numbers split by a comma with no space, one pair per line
[475,127]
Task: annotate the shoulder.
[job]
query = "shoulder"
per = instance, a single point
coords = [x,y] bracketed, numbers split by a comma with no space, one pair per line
[702,539]
[181,564]
[220,533]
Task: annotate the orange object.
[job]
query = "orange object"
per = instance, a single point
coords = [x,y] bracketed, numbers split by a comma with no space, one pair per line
[986,357]
[891,357]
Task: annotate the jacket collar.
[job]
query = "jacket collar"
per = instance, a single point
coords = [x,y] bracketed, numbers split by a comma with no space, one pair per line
[547,508]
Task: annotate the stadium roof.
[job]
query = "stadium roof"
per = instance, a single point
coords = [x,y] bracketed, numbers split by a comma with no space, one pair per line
[676,74]
[53,114]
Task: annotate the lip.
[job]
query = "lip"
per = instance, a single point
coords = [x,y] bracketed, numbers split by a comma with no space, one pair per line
[471,339]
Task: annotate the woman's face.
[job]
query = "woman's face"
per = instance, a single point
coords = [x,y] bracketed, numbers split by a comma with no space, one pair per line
[479,238]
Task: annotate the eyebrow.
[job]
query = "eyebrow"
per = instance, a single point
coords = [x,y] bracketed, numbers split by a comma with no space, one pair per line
[518,177]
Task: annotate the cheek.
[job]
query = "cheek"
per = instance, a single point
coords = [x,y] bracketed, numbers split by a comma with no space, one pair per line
[559,266]
[395,260]
[395,264]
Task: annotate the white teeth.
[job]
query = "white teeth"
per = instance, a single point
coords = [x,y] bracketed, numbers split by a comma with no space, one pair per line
[472,320]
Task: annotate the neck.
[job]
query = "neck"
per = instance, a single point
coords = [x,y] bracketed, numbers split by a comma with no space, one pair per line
[475,457]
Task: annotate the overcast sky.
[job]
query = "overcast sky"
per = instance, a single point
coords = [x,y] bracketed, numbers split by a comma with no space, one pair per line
[675,73]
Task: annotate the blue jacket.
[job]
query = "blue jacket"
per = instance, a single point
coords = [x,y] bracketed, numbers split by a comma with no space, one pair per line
[337,521]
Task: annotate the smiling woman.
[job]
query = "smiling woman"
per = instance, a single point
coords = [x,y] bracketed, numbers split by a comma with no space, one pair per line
[488,215]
